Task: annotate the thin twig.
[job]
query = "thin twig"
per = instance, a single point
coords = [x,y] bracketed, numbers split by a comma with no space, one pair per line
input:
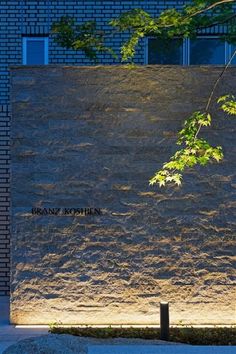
[217,81]
[213,90]
[217,23]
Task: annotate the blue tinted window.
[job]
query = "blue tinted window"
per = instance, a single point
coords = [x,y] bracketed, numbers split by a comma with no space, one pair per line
[35,52]
[165,52]
[233,48]
[207,51]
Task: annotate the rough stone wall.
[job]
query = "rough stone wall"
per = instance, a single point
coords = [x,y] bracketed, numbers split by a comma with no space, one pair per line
[92,137]
[34,18]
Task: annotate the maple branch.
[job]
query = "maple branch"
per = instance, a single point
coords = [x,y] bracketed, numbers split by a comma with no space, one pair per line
[205,9]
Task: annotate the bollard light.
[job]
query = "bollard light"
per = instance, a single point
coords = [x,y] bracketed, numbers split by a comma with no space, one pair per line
[164,321]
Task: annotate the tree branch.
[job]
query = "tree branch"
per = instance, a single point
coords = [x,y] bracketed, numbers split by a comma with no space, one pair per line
[218,22]
[212,6]
[205,9]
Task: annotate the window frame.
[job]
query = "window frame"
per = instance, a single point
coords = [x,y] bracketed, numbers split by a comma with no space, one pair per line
[35,38]
[186,50]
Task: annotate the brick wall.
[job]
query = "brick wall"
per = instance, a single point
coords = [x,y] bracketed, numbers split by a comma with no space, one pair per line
[4,199]
[23,17]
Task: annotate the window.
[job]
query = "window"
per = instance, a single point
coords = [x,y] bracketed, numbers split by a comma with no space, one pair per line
[207,51]
[231,52]
[165,52]
[35,50]
[200,51]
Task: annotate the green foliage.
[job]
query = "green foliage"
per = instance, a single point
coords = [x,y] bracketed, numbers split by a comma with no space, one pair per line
[132,19]
[128,49]
[228,104]
[195,336]
[139,23]
[195,151]
[54,325]
[85,37]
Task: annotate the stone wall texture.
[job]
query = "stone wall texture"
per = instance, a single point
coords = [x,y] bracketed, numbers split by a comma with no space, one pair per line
[25,18]
[92,137]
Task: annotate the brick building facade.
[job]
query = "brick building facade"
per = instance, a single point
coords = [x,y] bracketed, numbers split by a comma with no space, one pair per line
[32,19]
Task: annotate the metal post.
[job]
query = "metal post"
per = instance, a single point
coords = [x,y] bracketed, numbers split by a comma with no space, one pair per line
[164,320]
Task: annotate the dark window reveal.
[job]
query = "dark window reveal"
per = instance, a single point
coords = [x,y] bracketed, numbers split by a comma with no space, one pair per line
[35,51]
[165,52]
[207,51]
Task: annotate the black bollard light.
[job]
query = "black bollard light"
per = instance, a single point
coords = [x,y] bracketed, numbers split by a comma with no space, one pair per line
[164,321]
